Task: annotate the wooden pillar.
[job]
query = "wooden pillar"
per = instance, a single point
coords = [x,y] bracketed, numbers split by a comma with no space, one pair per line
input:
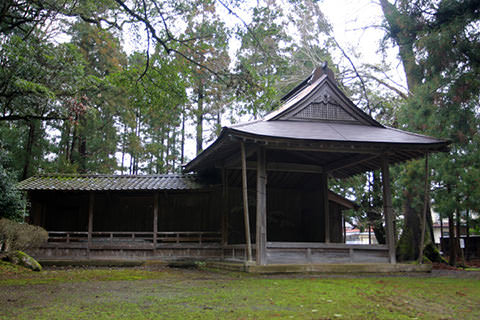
[155,220]
[325,206]
[245,202]
[261,239]
[224,214]
[91,201]
[387,210]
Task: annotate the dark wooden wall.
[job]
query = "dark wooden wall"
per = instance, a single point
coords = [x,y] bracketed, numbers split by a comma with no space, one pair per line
[293,215]
[59,211]
[190,211]
[126,211]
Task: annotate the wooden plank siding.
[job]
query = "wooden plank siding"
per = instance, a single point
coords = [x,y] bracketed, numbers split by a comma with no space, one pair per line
[302,253]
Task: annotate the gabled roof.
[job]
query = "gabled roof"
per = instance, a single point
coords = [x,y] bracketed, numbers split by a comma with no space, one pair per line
[317,117]
[66,182]
[321,100]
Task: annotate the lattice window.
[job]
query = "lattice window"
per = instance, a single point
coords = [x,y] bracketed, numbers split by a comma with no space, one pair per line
[321,111]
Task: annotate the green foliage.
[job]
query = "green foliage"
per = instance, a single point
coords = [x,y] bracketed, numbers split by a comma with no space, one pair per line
[12,204]
[262,59]
[20,236]
[438,46]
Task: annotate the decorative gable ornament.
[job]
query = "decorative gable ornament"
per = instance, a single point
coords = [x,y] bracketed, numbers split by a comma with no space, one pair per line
[324,107]
[318,98]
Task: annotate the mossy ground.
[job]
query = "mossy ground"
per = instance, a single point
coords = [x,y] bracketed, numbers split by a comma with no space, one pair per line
[139,293]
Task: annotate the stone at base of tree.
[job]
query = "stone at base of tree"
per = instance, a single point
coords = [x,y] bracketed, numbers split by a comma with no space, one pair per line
[22,259]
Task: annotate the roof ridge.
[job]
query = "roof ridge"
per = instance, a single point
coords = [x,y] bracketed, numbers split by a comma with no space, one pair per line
[102,175]
[292,100]
[104,182]
[242,124]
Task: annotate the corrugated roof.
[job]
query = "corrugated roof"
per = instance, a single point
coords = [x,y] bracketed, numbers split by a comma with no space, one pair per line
[64,182]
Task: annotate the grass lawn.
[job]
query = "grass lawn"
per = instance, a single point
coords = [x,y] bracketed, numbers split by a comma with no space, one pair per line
[138,293]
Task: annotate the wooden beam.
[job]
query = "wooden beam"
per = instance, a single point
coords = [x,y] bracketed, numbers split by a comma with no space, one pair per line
[294,167]
[306,157]
[348,162]
[261,234]
[91,200]
[328,148]
[325,205]
[285,167]
[233,161]
[387,210]
[245,201]
[155,219]
[338,146]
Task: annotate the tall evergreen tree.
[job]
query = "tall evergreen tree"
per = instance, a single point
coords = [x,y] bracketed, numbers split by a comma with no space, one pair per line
[438,45]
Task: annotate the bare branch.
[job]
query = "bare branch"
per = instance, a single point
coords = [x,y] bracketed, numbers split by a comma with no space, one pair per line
[362,83]
[17,117]
[387,85]
[252,33]
[164,43]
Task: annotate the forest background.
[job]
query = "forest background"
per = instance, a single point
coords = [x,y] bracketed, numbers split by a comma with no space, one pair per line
[113,86]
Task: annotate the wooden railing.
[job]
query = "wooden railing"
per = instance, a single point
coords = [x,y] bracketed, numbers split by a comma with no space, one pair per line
[136,237]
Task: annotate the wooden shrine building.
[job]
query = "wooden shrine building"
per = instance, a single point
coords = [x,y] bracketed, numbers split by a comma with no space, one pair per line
[258,194]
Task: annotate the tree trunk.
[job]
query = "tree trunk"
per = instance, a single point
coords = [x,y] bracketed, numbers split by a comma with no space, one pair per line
[451,241]
[467,240]
[199,118]
[124,147]
[404,34]
[162,150]
[167,155]
[430,224]
[410,239]
[28,149]
[376,221]
[82,145]
[374,216]
[182,147]
[402,30]
[459,237]
[173,146]
[74,141]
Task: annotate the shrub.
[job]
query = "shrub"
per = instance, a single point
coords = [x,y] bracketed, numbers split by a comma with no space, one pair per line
[12,203]
[20,236]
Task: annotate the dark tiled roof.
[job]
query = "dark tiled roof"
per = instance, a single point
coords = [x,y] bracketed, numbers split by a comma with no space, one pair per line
[64,182]
[331,131]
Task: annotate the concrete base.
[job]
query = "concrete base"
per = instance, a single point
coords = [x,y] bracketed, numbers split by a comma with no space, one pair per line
[327,268]
[352,268]
[92,262]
